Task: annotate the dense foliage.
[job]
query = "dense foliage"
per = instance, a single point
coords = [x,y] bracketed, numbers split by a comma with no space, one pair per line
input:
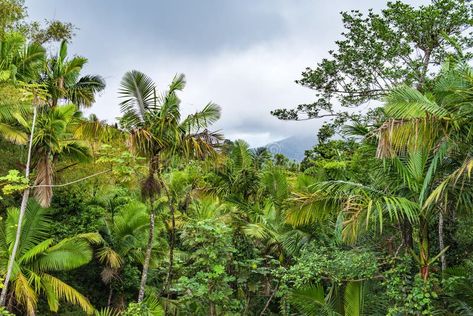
[159,215]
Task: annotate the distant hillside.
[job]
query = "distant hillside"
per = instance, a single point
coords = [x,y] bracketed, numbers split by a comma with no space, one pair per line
[293,147]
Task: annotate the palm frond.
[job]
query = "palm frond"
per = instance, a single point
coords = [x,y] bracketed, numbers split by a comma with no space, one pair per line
[202,119]
[178,83]
[404,102]
[109,257]
[107,312]
[12,134]
[353,298]
[59,290]
[309,300]
[138,93]
[35,226]
[83,92]
[68,254]
[33,253]
[25,294]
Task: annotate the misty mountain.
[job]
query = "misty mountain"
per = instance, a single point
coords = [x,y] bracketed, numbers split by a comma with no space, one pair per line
[293,147]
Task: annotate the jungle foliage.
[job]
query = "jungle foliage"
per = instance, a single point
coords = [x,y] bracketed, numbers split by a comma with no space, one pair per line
[159,214]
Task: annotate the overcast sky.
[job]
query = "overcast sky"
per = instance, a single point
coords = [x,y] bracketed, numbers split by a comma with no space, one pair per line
[241,54]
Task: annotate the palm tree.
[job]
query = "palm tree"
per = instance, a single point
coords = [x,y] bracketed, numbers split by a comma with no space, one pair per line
[53,141]
[17,56]
[158,133]
[441,125]
[20,65]
[236,176]
[124,235]
[64,82]
[422,144]
[38,256]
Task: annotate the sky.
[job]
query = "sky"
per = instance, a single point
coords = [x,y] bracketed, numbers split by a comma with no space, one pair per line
[241,54]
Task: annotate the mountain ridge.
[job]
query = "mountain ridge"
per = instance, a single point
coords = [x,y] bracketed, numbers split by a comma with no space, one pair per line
[293,147]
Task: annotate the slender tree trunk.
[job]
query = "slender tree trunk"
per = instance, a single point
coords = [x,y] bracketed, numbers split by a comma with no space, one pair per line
[443,259]
[144,274]
[172,241]
[150,189]
[110,296]
[424,254]
[24,203]
[247,304]
[407,234]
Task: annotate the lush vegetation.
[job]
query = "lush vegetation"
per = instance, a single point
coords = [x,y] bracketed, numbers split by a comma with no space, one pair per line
[158,214]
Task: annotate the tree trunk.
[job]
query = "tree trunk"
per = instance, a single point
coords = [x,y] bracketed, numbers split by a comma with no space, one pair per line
[425,69]
[150,189]
[443,259]
[43,191]
[172,240]
[110,296]
[24,203]
[407,234]
[212,310]
[269,300]
[424,254]
[144,274]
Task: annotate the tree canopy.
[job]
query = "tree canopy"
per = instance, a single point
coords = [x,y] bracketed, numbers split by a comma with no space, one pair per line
[159,214]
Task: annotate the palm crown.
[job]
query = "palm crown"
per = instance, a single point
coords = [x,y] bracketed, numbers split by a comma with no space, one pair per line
[63,80]
[154,120]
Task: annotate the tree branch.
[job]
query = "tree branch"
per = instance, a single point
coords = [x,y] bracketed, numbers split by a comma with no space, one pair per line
[269,300]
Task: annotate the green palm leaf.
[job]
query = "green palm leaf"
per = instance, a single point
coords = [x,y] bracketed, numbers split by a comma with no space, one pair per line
[138,92]
[68,254]
[57,290]
[404,102]
[310,300]
[353,298]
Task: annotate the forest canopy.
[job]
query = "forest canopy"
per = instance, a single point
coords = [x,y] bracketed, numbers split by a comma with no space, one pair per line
[158,213]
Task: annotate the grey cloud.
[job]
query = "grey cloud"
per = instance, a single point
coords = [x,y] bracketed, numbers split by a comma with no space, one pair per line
[188,27]
[243,55]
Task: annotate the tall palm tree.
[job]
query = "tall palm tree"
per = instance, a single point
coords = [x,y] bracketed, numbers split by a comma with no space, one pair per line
[16,56]
[157,132]
[62,77]
[38,257]
[440,123]
[63,82]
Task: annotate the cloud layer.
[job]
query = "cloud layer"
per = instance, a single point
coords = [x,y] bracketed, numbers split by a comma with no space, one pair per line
[243,55]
